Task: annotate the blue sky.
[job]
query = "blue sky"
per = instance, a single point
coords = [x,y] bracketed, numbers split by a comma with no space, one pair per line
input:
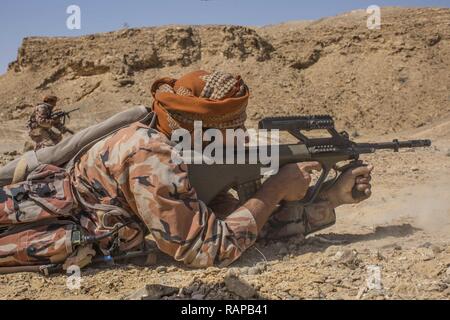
[21,18]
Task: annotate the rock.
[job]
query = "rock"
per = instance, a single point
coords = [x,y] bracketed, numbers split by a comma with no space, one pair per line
[12,153]
[152,292]
[262,266]
[211,270]
[233,272]
[447,272]
[125,82]
[426,245]
[244,270]
[331,251]
[161,269]
[436,249]
[377,254]
[198,296]
[375,295]
[254,271]
[255,115]
[447,292]
[347,257]
[361,292]
[239,287]
[172,269]
[448,153]
[436,286]
[433,39]
[426,254]
[355,134]
[414,169]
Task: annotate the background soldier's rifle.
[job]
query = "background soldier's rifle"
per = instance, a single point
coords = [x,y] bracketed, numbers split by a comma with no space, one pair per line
[63,115]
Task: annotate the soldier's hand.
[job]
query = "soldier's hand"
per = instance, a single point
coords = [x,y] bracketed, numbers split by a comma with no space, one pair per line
[341,192]
[294,179]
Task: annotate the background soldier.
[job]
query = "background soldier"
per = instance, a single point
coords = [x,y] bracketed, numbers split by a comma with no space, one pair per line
[41,123]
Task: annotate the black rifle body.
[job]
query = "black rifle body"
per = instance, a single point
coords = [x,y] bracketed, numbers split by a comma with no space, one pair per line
[210,179]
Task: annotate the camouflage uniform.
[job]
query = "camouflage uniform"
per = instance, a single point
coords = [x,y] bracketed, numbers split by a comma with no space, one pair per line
[40,127]
[133,169]
[37,217]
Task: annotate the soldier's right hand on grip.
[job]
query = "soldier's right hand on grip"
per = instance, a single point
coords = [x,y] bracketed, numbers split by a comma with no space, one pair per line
[353,186]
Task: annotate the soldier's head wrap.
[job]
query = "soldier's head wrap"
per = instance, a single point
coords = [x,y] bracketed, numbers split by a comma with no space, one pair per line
[218,99]
[50,99]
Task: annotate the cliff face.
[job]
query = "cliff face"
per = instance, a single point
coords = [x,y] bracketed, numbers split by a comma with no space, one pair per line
[371,80]
[133,50]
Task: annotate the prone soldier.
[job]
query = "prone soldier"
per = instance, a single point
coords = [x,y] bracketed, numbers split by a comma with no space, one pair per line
[134,170]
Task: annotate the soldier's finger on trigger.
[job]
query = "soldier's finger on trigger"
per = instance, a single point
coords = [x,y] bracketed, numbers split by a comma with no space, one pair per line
[310,166]
[361,171]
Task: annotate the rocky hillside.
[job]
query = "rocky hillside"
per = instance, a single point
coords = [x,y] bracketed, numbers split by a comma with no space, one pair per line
[371,80]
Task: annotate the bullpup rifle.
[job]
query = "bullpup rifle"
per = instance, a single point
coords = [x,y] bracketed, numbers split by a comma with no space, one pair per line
[211,179]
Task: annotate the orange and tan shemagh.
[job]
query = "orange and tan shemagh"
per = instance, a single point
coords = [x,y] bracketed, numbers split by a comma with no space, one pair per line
[218,99]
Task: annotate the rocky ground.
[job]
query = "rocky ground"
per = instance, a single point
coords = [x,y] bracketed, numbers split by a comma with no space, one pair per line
[378,84]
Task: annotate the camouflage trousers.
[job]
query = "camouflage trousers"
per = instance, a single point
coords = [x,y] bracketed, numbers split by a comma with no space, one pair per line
[42,222]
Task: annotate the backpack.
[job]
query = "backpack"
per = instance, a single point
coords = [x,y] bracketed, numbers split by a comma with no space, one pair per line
[41,215]
[60,154]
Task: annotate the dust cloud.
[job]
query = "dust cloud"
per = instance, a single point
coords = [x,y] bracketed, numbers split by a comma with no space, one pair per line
[423,205]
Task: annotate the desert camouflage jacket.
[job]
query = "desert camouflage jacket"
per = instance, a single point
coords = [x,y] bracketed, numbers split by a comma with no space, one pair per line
[41,118]
[133,169]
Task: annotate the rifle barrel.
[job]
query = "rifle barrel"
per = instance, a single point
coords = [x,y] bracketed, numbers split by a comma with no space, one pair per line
[297,123]
[73,110]
[395,145]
